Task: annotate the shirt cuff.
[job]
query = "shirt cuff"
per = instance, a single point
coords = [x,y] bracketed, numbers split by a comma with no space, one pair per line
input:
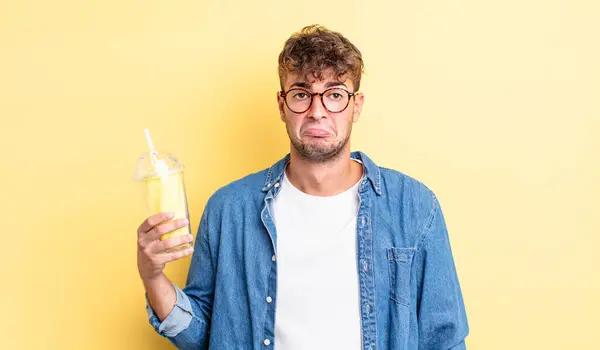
[177,320]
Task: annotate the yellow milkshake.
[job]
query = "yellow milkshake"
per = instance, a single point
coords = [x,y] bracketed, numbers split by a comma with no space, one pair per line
[161,178]
[166,193]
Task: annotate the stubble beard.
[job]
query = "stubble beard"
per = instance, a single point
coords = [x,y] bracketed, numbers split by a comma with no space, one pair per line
[320,153]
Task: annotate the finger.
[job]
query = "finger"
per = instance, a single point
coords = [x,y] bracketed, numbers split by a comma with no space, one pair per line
[154,220]
[168,257]
[162,246]
[162,229]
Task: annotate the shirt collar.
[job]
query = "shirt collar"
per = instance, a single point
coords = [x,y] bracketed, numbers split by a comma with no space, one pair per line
[371,172]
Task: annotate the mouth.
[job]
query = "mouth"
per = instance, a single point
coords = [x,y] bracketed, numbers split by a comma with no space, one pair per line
[316,132]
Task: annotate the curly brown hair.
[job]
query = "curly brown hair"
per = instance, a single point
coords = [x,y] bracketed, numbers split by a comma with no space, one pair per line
[315,49]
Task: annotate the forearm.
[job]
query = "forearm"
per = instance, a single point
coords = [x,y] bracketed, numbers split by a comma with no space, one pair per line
[181,325]
[161,295]
[184,317]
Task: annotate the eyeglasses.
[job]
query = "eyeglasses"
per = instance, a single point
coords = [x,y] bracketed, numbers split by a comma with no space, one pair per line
[299,100]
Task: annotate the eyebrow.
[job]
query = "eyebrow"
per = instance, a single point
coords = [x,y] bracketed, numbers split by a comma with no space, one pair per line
[305,85]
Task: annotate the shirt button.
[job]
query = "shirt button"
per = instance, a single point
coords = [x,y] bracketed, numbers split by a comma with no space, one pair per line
[269,300]
[368,308]
[276,184]
[267,342]
[273,258]
[365,267]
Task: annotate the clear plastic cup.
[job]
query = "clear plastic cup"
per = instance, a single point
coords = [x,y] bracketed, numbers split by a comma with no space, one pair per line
[163,189]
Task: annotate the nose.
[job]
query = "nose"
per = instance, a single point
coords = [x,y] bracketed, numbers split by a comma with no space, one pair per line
[317,110]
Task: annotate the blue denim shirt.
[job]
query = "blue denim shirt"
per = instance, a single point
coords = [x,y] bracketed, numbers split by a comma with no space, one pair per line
[410,296]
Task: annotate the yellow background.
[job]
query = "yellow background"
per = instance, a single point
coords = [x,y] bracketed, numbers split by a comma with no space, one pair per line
[493,104]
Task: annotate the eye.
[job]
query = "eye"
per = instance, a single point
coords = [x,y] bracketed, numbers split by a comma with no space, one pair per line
[300,95]
[336,95]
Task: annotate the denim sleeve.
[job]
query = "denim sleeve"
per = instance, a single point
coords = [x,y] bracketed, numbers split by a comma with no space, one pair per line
[442,319]
[177,320]
[188,325]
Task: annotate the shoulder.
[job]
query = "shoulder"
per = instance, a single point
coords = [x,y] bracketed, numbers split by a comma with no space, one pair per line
[245,190]
[416,201]
[395,183]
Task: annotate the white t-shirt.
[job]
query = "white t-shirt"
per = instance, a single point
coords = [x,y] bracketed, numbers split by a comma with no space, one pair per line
[318,305]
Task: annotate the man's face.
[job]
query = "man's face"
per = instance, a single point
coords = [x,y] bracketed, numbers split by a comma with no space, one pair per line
[319,135]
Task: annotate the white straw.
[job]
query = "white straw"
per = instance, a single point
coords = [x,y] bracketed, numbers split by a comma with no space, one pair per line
[150,145]
[153,153]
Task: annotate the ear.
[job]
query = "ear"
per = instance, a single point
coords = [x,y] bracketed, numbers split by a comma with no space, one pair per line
[281,104]
[359,100]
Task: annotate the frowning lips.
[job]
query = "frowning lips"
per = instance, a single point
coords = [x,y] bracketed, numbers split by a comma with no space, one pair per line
[317,132]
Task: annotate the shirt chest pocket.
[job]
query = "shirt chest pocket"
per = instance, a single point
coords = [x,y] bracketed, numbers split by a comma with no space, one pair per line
[400,262]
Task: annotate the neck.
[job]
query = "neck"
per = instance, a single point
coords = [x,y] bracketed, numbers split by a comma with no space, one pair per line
[323,179]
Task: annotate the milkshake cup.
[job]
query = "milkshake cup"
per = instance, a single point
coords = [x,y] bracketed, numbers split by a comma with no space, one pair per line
[161,179]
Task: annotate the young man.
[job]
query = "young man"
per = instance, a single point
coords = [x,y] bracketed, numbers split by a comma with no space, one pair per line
[323,250]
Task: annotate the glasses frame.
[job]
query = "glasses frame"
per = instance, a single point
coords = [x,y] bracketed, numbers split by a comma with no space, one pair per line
[312,97]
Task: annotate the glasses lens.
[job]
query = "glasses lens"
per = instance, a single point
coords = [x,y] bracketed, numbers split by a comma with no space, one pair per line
[336,100]
[298,100]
